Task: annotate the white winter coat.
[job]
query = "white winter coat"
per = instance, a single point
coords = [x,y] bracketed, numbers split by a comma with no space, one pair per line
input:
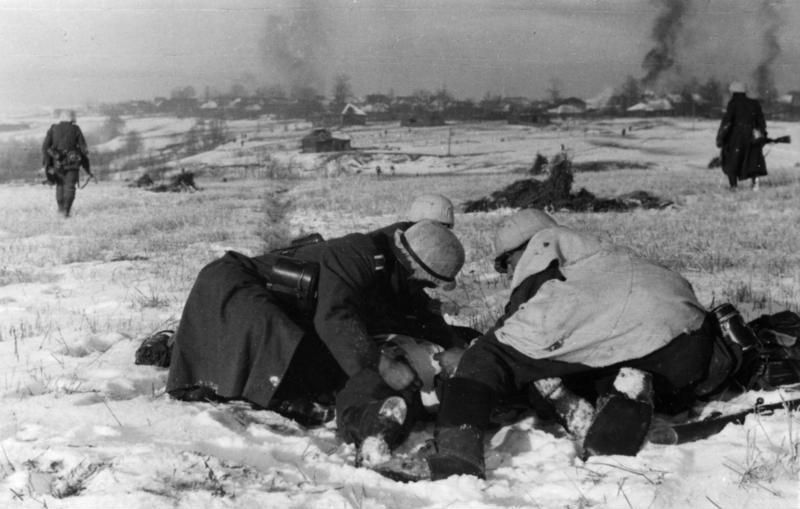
[613,306]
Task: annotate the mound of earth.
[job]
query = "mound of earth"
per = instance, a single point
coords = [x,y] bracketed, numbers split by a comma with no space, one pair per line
[610,165]
[555,192]
[182,182]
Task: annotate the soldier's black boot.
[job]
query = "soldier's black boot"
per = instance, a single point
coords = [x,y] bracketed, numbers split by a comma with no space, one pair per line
[459,451]
[623,416]
[463,418]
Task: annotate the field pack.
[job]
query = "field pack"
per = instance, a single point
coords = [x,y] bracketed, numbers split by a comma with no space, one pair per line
[65,160]
[777,362]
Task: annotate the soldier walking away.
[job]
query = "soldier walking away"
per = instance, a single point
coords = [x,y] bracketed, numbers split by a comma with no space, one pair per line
[64,152]
[740,138]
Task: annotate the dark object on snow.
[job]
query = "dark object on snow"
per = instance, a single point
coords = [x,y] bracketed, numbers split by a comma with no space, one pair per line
[555,192]
[698,430]
[156,349]
[539,165]
[775,361]
[182,182]
[305,412]
[144,181]
[715,162]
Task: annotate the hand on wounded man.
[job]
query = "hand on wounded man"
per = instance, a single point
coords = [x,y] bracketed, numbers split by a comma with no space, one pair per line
[395,369]
[428,362]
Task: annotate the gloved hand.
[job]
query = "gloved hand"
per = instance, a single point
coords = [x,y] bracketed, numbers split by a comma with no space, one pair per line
[395,370]
[448,360]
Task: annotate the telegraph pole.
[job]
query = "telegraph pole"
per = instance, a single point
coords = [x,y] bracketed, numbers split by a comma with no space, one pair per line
[449,140]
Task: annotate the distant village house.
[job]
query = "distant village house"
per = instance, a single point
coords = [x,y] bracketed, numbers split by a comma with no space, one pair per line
[322,140]
[352,115]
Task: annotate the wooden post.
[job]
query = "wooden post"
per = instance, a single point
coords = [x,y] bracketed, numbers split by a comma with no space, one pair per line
[449,139]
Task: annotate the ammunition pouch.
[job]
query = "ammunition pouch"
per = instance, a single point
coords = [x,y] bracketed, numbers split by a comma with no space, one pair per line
[65,160]
[776,359]
[294,279]
[771,358]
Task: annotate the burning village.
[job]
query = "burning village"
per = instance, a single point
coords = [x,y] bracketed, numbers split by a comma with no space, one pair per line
[388,254]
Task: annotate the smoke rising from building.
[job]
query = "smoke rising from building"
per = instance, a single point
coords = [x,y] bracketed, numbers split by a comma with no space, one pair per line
[722,39]
[763,75]
[666,35]
[294,46]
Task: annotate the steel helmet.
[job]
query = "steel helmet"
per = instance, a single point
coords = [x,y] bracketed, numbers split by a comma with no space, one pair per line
[516,230]
[434,248]
[66,115]
[434,207]
[737,86]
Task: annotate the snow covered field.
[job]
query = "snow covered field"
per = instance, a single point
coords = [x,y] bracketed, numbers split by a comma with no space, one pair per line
[81,426]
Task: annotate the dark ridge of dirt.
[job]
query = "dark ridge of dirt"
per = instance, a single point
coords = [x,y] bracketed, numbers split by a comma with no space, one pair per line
[610,165]
[555,193]
[182,182]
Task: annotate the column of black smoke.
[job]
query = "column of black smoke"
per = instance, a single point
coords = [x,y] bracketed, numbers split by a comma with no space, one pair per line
[665,33]
[763,75]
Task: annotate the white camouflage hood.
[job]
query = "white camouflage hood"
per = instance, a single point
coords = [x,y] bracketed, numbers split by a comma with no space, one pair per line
[614,305]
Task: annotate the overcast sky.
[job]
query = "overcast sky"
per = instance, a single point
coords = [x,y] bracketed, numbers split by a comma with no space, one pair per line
[68,52]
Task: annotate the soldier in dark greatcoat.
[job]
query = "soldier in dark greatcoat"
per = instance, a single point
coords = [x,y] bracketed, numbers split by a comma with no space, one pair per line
[741,137]
[240,337]
[64,152]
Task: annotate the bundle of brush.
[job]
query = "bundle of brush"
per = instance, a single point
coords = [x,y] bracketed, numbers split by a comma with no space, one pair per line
[554,191]
[558,185]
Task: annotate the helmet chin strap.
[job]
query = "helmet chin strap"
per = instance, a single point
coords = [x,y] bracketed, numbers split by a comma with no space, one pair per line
[418,262]
[416,269]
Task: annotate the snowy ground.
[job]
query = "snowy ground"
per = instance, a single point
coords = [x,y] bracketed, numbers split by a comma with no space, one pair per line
[81,426]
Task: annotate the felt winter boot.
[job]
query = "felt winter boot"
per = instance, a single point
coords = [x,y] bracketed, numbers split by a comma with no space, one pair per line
[381,423]
[623,416]
[572,411]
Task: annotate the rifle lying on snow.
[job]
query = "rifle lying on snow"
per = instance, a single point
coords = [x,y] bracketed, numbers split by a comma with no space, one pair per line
[690,431]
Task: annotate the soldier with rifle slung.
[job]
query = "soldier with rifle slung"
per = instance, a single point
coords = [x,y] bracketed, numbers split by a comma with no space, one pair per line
[741,137]
[64,152]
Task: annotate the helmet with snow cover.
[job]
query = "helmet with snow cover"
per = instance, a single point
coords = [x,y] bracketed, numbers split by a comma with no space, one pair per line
[515,231]
[435,249]
[434,207]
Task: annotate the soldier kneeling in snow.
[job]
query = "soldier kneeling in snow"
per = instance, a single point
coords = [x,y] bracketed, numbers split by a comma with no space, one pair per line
[301,327]
[597,336]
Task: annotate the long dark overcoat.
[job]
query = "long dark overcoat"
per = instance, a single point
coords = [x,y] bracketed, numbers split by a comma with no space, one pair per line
[63,137]
[741,154]
[239,338]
